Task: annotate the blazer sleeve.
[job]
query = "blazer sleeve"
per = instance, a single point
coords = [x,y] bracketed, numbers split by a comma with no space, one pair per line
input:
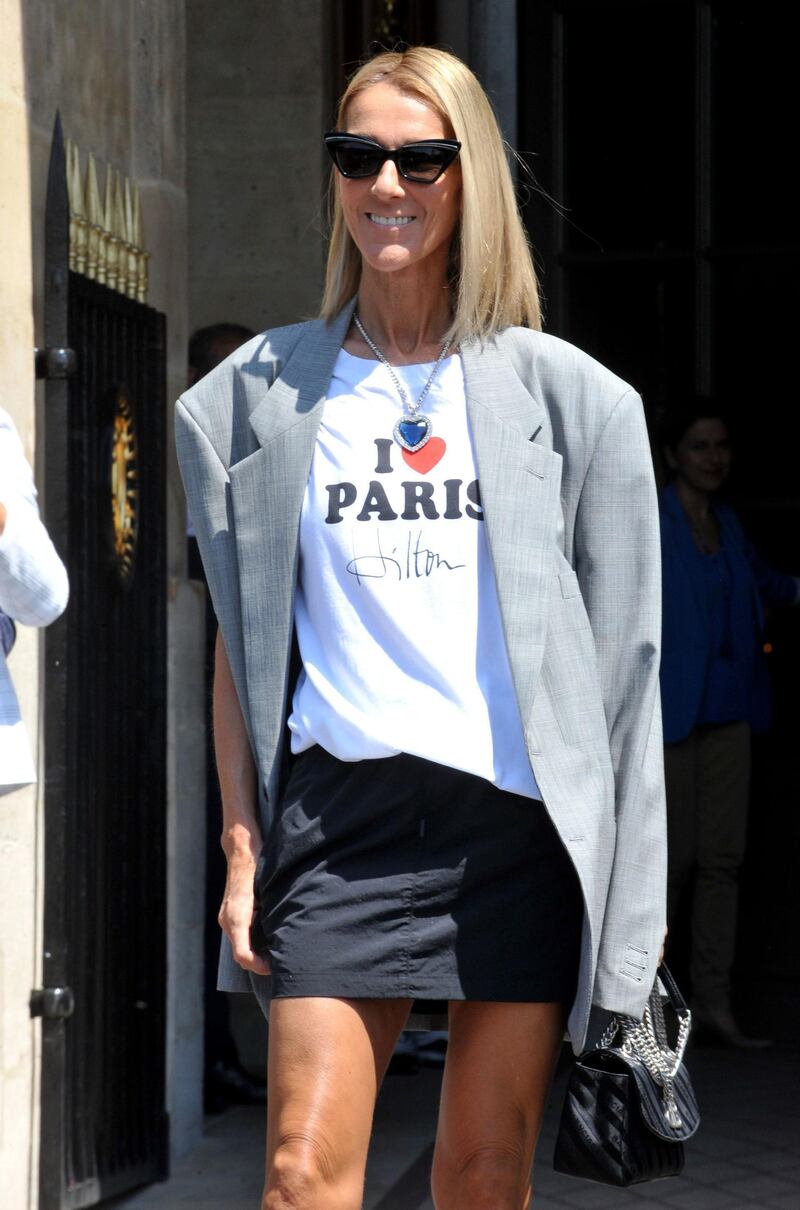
[618,562]
[33,580]
[207,486]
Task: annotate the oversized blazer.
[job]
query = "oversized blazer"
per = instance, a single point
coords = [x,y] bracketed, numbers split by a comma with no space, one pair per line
[572,526]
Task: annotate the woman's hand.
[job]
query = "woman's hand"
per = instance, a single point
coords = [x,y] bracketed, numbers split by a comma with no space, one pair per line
[237,911]
[663,947]
[241,835]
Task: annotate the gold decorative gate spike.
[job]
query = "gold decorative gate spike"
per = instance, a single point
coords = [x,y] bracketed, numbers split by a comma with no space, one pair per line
[138,239]
[78,223]
[118,218]
[82,225]
[112,239]
[118,227]
[73,236]
[105,237]
[94,215]
[130,246]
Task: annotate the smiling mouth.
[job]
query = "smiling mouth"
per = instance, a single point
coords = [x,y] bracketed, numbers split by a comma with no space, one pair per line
[397,221]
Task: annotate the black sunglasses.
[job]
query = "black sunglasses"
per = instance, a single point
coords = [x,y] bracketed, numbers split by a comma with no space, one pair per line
[423,162]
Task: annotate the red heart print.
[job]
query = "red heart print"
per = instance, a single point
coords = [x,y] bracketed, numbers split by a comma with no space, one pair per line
[425,460]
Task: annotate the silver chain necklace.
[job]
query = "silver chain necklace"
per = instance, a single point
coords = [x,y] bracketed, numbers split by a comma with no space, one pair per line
[413,429]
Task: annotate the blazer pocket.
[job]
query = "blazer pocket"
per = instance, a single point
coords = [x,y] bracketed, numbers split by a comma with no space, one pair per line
[570,585]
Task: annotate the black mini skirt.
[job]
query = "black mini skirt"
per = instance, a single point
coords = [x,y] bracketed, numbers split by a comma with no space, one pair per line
[399,878]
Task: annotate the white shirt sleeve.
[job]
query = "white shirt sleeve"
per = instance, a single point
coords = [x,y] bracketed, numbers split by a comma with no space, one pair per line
[33,580]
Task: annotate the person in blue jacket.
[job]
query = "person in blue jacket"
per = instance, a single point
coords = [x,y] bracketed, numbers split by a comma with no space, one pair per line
[715,693]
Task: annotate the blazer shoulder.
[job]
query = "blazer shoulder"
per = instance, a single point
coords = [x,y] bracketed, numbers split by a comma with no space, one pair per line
[220,404]
[563,375]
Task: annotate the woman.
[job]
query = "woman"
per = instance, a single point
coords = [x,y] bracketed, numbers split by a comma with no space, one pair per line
[455,516]
[714,692]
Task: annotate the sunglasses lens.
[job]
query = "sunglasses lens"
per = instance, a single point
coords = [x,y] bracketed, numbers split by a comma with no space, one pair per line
[354,159]
[424,163]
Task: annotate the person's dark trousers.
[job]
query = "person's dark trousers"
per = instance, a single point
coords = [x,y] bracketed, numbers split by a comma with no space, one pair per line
[708,783]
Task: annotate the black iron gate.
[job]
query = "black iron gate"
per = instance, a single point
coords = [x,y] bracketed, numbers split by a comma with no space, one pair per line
[104,1128]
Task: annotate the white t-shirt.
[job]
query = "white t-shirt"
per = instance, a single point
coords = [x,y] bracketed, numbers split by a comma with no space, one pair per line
[396,610]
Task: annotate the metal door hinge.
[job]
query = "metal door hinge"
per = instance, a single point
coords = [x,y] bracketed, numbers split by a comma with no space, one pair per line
[55,362]
[52,1003]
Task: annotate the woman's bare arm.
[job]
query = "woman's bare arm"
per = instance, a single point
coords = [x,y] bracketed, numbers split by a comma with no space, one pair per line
[241,833]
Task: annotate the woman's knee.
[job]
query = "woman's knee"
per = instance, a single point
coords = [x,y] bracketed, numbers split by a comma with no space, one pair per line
[304,1175]
[493,1175]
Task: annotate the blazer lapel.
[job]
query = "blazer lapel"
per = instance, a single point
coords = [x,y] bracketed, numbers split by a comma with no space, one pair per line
[520,480]
[267,490]
[303,382]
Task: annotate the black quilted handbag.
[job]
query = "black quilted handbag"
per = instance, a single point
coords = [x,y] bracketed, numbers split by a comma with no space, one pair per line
[630,1105]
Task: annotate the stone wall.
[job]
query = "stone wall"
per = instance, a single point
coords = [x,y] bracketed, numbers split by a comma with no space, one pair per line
[257,103]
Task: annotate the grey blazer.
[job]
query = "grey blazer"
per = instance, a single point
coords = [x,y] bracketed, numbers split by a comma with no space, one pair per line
[572,523]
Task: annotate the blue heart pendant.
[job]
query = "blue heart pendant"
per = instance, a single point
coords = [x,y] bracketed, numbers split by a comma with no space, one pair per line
[412,432]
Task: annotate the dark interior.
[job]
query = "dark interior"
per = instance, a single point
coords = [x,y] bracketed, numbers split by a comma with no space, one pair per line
[662,132]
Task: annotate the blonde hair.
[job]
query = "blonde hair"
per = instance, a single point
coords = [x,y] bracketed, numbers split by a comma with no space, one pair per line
[492,273]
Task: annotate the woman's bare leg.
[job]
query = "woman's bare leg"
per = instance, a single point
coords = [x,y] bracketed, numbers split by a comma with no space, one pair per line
[500,1061]
[327,1058]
